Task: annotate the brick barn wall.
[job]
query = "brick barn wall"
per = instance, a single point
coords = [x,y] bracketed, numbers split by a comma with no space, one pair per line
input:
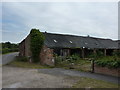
[27,46]
[22,48]
[46,56]
[107,71]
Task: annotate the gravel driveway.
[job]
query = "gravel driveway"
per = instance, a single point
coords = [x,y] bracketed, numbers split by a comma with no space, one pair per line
[14,77]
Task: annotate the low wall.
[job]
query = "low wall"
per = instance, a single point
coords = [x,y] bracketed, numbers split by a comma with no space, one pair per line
[107,71]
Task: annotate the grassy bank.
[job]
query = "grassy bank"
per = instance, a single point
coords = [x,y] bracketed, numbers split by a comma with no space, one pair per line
[93,83]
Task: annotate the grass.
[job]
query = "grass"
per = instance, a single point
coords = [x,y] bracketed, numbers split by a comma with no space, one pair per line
[93,83]
[24,64]
[79,65]
[7,53]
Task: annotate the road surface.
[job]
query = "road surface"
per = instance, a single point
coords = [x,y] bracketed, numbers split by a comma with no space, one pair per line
[14,77]
[6,58]
[60,72]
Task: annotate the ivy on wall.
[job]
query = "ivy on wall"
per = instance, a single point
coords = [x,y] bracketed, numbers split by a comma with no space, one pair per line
[36,43]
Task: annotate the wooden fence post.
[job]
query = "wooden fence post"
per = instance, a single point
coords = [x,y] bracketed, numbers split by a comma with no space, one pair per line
[92,66]
[83,55]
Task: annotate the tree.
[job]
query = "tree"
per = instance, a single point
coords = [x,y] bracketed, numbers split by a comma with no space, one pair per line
[36,43]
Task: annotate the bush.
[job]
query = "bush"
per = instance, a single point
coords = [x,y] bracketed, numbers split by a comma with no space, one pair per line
[7,50]
[97,55]
[109,62]
[58,59]
[73,58]
[116,53]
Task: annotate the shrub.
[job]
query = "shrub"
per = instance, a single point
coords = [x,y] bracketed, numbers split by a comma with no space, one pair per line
[116,53]
[36,43]
[7,50]
[58,59]
[97,55]
[109,62]
[73,58]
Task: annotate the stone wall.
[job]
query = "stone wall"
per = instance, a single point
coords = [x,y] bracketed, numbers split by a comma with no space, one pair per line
[107,71]
[46,56]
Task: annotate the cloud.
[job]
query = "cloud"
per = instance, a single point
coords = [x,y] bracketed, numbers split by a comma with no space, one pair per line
[84,18]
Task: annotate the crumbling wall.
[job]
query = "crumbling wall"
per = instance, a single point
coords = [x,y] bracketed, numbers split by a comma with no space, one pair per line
[46,56]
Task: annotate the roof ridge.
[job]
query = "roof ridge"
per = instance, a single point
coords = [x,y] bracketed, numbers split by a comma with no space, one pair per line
[79,36]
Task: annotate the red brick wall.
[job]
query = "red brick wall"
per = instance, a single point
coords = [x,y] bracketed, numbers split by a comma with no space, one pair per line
[107,71]
[27,46]
[46,56]
[22,48]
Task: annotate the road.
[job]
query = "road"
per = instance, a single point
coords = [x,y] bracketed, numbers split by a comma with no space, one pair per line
[6,58]
[60,72]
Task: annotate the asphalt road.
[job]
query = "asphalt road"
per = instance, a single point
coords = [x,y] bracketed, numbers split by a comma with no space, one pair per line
[6,58]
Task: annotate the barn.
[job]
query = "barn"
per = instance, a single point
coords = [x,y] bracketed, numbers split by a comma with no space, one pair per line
[65,45]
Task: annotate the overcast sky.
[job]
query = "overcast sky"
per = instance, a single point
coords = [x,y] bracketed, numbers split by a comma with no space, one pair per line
[98,19]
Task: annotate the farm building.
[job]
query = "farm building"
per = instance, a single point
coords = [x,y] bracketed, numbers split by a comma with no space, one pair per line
[65,45]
